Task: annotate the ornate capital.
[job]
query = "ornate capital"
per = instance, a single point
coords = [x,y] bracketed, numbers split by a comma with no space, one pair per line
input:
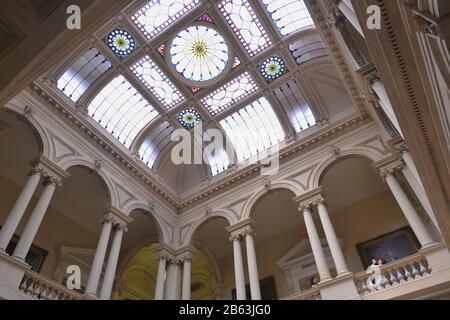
[51,172]
[116,217]
[241,229]
[309,199]
[165,252]
[389,166]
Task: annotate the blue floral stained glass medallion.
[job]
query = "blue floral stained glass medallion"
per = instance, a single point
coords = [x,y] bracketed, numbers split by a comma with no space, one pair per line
[121,42]
[272,68]
[189,118]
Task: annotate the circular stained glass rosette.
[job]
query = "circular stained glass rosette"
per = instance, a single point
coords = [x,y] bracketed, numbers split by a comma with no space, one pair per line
[272,68]
[199,53]
[189,118]
[121,43]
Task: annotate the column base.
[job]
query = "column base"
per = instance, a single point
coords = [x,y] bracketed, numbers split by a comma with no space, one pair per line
[11,271]
[438,256]
[340,288]
[90,296]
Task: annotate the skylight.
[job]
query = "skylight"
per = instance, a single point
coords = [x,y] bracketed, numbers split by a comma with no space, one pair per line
[229,94]
[253,129]
[244,22]
[288,15]
[295,105]
[88,68]
[157,15]
[158,139]
[218,161]
[157,82]
[121,110]
[308,48]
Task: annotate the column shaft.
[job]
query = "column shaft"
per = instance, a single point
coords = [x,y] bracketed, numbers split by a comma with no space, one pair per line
[316,246]
[97,264]
[255,290]
[421,195]
[351,16]
[332,239]
[408,210]
[186,290]
[28,234]
[110,273]
[385,103]
[238,269]
[159,290]
[17,212]
[407,158]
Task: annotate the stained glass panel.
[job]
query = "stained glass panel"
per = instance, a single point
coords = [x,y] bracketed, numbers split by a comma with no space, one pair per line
[121,110]
[308,48]
[295,105]
[288,15]
[189,118]
[253,129]
[272,68]
[88,68]
[121,43]
[158,139]
[244,22]
[229,94]
[157,82]
[199,53]
[157,15]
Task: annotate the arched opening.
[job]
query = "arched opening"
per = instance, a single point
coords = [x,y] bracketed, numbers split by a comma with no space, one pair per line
[281,240]
[365,214]
[138,258]
[212,274]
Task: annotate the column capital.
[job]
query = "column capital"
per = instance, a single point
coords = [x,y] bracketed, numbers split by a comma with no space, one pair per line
[118,218]
[50,171]
[309,199]
[241,229]
[185,253]
[389,165]
[165,252]
[369,72]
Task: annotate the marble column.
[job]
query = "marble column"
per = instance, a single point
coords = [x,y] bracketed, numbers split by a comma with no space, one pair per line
[17,212]
[111,266]
[173,283]
[351,16]
[160,277]
[238,267]
[186,286]
[100,252]
[33,224]
[316,245]
[410,213]
[332,239]
[255,289]
[385,102]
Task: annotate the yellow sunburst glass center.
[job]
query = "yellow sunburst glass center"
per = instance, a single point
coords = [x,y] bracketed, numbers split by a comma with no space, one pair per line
[200,49]
[272,68]
[189,117]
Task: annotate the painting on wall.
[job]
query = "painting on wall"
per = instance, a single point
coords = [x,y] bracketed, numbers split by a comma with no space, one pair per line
[389,247]
[268,290]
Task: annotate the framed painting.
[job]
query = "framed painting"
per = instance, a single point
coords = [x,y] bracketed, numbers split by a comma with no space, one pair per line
[389,247]
[268,290]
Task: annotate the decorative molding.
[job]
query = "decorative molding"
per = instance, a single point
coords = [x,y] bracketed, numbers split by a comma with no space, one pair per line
[375,143]
[303,178]
[61,149]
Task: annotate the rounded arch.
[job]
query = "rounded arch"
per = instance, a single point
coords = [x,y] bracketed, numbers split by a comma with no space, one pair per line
[256,197]
[328,163]
[39,132]
[103,177]
[189,238]
[163,234]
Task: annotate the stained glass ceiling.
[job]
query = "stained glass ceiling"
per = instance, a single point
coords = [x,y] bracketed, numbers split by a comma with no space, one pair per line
[175,64]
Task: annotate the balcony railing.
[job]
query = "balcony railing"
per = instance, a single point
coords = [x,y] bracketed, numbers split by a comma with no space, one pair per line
[35,286]
[311,294]
[392,274]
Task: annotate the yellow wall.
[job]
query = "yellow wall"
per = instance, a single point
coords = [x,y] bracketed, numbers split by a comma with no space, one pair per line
[55,231]
[363,220]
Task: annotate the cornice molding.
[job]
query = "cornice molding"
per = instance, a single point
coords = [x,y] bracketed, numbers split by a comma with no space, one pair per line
[288,153]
